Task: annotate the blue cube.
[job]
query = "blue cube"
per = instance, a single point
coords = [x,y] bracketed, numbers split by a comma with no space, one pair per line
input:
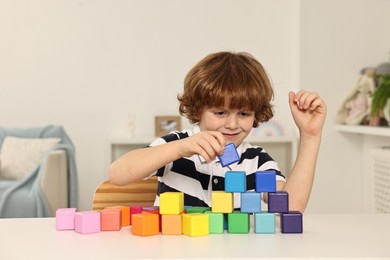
[250,202]
[264,223]
[278,202]
[235,181]
[265,181]
[229,156]
[225,221]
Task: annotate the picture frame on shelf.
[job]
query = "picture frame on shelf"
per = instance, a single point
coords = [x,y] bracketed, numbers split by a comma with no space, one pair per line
[166,124]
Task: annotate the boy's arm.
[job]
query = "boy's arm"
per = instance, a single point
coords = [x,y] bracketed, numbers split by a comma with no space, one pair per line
[309,112]
[140,163]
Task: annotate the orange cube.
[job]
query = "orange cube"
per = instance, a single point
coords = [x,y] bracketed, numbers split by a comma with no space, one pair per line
[154,211]
[171,224]
[145,224]
[125,214]
[110,220]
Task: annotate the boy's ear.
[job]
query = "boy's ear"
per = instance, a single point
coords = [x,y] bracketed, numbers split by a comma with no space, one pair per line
[198,114]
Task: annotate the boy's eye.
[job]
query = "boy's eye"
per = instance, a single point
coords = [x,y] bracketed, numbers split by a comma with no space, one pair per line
[245,113]
[219,113]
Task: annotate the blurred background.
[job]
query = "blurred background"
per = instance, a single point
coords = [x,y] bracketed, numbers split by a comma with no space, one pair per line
[103,69]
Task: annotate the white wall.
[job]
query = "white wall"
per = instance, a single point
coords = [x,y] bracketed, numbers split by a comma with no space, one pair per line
[87,64]
[338,39]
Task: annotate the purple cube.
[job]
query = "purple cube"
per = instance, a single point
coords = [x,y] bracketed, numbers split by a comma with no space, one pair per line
[278,202]
[291,222]
[229,156]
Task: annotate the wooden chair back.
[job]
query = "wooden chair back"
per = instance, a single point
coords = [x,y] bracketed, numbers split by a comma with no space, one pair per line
[142,192]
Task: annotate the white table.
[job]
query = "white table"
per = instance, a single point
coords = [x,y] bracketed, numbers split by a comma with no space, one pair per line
[325,235]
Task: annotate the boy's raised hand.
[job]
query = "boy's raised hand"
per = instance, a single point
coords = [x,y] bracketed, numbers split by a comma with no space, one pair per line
[207,144]
[309,111]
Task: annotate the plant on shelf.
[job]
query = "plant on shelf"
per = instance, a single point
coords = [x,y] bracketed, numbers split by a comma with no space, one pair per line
[380,96]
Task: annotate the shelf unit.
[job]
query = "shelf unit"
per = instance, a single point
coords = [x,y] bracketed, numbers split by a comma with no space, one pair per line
[282,148]
[365,130]
[376,164]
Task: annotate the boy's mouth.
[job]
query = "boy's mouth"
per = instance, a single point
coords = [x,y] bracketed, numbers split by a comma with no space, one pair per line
[230,136]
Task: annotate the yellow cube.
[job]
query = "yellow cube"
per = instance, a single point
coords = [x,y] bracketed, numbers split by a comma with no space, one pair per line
[171,203]
[196,224]
[222,202]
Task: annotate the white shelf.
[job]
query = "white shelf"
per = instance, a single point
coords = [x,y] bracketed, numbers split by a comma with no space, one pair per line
[364,130]
[131,140]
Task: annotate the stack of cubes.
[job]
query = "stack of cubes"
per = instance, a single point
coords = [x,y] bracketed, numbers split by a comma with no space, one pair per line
[173,218]
[264,221]
[238,222]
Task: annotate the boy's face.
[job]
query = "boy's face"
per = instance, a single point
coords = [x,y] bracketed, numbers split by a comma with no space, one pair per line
[234,124]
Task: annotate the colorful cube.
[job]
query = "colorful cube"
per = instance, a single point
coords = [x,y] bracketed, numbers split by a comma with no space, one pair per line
[171,224]
[222,202]
[145,224]
[235,181]
[87,222]
[151,208]
[250,202]
[197,210]
[65,218]
[225,221]
[216,222]
[125,214]
[136,209]
[265,181]
[278,202]
[196,224]
[154,211]
[110,220]
[171,203]
[238,223]
[264,223]
[229,156]
[157,212]
[291,222]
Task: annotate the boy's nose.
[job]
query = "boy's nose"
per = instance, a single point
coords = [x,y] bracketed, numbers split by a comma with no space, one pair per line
[231,122]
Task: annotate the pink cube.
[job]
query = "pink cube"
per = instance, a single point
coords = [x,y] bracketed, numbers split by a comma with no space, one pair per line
[87,222]
[136,209]
[65,218]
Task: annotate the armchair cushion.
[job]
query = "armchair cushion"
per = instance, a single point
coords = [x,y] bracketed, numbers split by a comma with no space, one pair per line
[21,156]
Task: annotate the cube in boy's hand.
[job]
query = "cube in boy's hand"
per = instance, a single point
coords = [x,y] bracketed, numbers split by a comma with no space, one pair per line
[229,156]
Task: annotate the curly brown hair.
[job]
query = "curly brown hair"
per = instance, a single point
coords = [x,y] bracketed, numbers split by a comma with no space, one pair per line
[227,79]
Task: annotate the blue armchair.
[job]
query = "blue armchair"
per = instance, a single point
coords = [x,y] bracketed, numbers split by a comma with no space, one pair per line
[53,184]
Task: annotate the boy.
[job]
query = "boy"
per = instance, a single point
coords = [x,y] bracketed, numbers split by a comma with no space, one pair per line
[226,94]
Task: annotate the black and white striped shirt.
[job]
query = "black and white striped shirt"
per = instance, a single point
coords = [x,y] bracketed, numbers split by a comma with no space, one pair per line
[197,179]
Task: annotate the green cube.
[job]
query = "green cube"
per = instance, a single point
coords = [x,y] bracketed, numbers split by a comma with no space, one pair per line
[197,209]
[215,222]
[238,222]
